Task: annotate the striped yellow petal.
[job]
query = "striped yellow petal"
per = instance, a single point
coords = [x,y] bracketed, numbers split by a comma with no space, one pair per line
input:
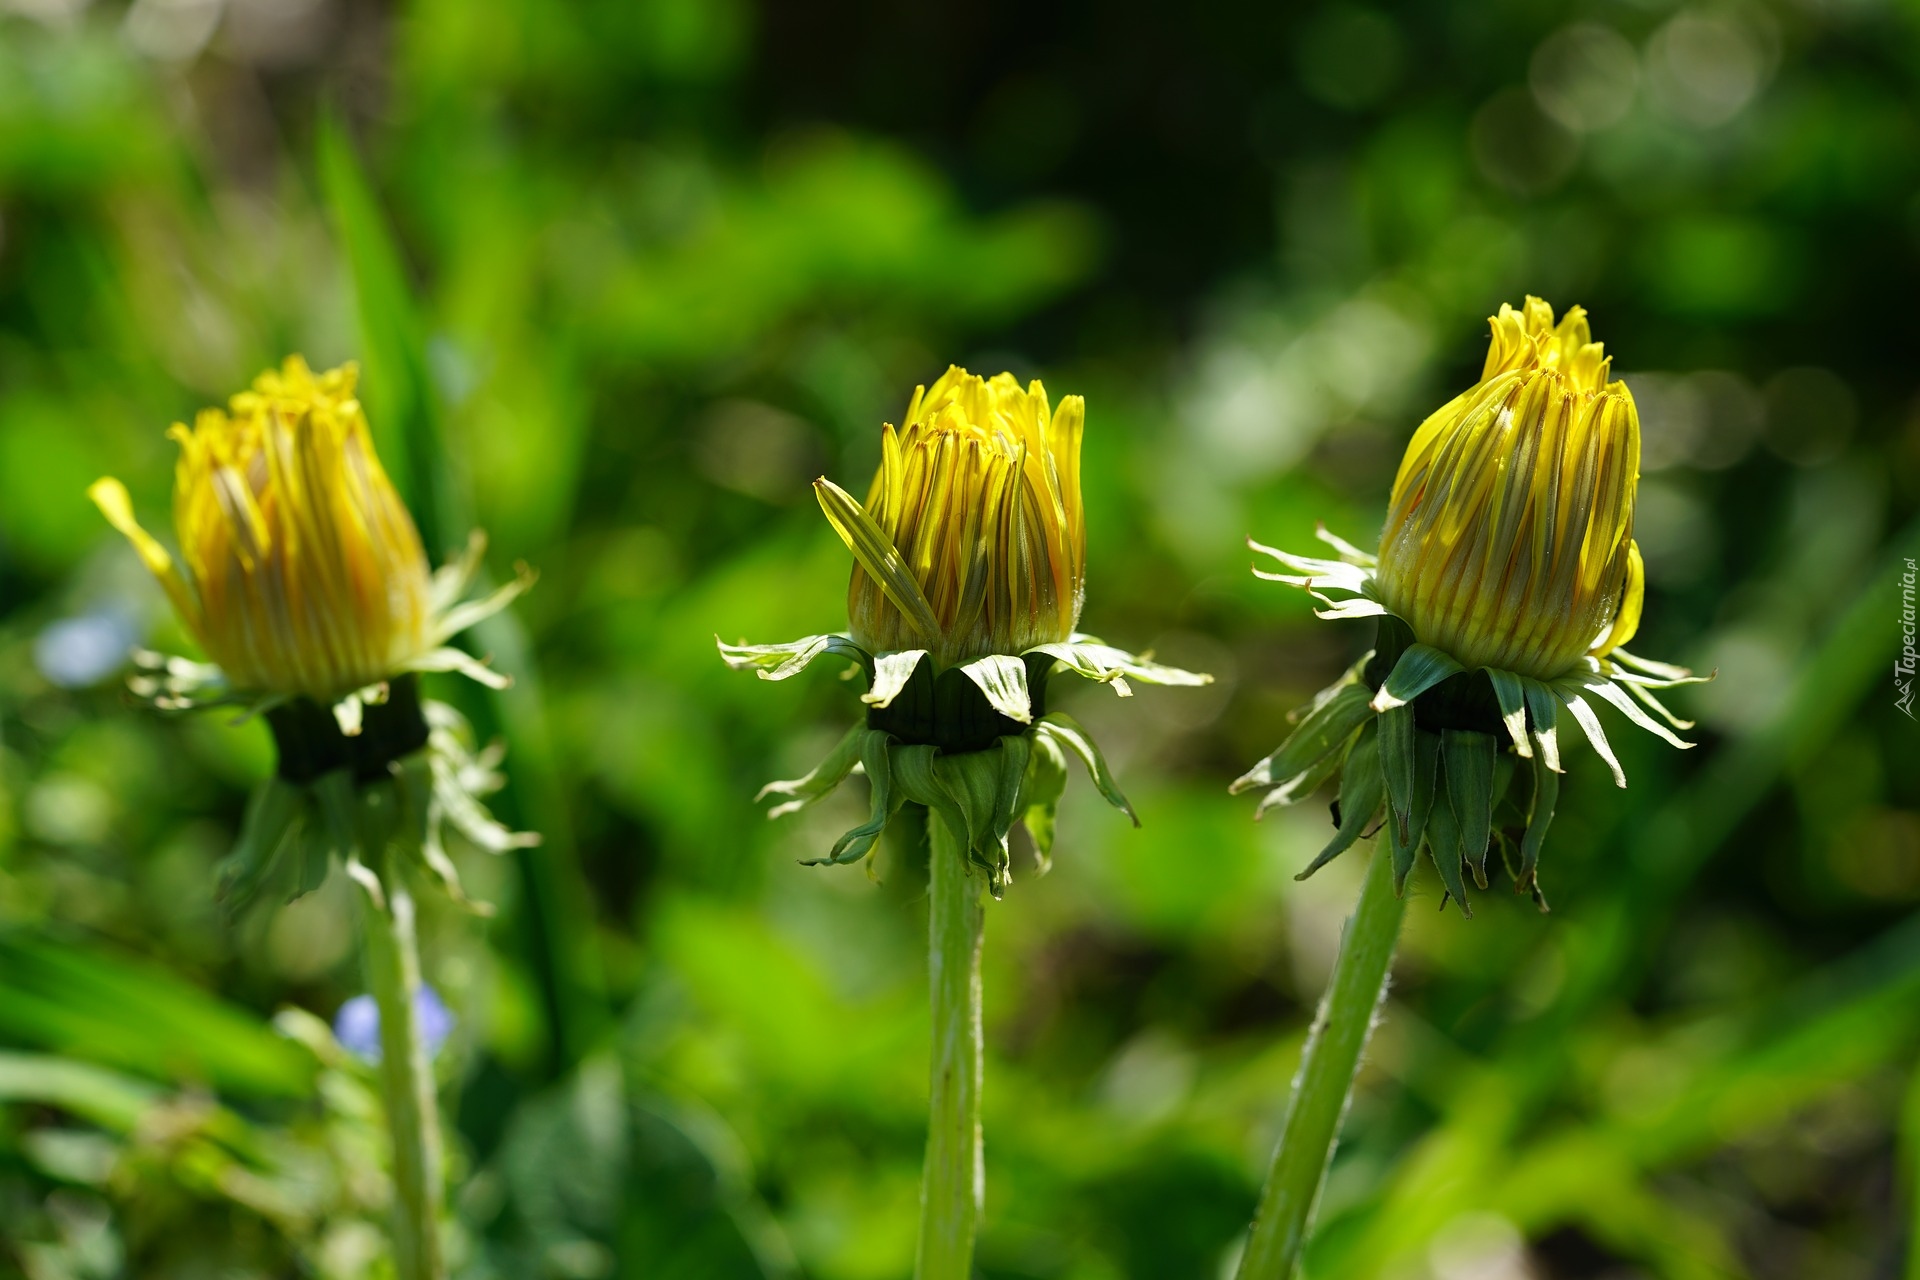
[301,572]
[110,496]
[1509,535]
[972,539]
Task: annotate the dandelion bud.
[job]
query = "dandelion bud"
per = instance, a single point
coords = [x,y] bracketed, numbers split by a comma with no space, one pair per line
[969,568]
[1506,584]
[301,571]
[1509,536]
[978,499]
[301,574]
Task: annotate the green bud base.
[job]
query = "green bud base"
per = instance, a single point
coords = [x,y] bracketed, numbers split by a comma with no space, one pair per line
[950,712]
[311,745]
[1465,701]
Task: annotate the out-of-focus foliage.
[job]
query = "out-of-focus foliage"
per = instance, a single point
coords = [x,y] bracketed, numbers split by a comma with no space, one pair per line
[624,277]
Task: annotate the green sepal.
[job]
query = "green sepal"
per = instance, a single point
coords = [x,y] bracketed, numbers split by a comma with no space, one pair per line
[421,814]
[918,703]
[889,676]
[1040,792]
[333,795]
[1659,675]
[984,786]
[167,682]
[778,661]
[1003,681]
[1090,658]
[1607,691]
[916,776]
[273,814]
[1355,674]
[1016,751]
[1503,773]
[821,779]
[912,772]
[378,810]
[1583,715]
[1443,846]
[1546,793]
[971,781]
[1423,770]
[876,755]
[1362,791]
[1653,704]
[1302,785]
[1468,762]
[1510,855]
[461,775]
[1391,638]
[1397,759]
[373,822]
[1065,729]
[1419,669]
[1510,691]
[1543,709]
[1327,725]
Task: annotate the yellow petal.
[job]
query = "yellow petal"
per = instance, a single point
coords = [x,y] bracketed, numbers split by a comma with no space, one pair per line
[110,496]
[1626,624]
[875,552]
[972,540]
[1507,537]
[300,571]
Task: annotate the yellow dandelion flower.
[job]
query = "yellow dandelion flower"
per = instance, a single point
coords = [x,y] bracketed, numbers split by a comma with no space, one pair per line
[1507,582]
[978,500]
[300,572]
[969,574]
[301,575]
[1509,536]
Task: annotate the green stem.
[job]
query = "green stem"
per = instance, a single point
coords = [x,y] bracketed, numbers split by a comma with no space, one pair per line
[1325,1083]
[406,1080]
[951,1186]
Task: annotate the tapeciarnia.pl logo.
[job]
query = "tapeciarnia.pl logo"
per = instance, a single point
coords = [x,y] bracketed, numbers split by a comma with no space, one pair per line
[1909,659]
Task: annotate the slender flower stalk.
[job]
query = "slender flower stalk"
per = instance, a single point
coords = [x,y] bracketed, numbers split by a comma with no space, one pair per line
[406,1082]
[1324,1089]
[1506,585]
[301,575]
[969,575]
[954,1181]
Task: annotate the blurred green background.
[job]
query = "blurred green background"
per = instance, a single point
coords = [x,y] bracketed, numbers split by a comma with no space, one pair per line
[624,276]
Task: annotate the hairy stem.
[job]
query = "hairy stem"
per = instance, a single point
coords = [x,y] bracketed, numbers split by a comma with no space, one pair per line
[1325,1083]
[953,1181]
[406,1080]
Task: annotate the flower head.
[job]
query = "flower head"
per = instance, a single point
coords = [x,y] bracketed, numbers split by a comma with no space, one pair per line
[1509,536]
[301,571]
[969,570]
[1506,584]
[983,546]
[301,575]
